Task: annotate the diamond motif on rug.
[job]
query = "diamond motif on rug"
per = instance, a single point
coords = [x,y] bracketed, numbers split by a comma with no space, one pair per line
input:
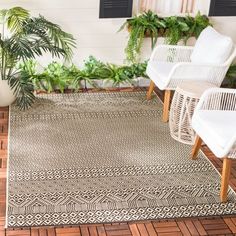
[103,157]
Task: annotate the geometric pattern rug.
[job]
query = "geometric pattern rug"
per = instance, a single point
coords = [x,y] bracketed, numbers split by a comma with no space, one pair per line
[100,158]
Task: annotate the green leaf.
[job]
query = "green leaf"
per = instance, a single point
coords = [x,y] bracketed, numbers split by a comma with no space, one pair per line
[15,18]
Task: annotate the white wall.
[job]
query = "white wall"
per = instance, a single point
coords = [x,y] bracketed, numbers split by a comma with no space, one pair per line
[225,25]
[96,36]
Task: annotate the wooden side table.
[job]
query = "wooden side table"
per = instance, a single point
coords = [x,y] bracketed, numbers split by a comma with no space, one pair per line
[185,99]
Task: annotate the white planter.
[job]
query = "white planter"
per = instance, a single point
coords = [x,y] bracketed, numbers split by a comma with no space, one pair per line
[125,85]
[133,83]
[7,96]
[96,82]
[108,84]
[144,82]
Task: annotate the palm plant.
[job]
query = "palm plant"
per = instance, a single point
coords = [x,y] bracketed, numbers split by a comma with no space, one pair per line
[24,37]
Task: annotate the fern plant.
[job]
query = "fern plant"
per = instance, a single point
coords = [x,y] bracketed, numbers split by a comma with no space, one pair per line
[146,24]
[176,27]
[24,37]
[173,28]
[196,25]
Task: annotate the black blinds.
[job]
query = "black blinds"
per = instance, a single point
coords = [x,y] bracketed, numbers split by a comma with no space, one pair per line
[223,8]
[115,8]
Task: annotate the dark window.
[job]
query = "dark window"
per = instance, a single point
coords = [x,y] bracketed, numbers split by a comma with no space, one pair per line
[223,8]
[115,8]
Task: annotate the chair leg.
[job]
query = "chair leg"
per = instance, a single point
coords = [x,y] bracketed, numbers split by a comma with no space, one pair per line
[165,116]
[227,163]
[196,148]
[150,90]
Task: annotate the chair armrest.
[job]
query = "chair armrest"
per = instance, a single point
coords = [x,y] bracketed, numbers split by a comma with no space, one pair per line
[186,71]
[171,53]
[218,99]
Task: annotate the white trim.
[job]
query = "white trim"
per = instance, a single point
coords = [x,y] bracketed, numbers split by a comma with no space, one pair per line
[8,160]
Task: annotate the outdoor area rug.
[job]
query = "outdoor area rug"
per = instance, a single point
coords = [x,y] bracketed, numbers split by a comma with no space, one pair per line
[103,157]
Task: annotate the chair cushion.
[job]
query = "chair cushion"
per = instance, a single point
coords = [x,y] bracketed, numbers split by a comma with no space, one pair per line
[159,71]
[218,126]
[212,47]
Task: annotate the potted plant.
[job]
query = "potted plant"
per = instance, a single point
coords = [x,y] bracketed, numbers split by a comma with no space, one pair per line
[23,37]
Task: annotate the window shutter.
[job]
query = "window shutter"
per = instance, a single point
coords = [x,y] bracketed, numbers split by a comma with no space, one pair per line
[223,8]
[115,8]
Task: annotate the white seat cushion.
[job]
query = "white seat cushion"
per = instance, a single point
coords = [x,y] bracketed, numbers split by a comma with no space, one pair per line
[218,126]
[159,71]
[212,47]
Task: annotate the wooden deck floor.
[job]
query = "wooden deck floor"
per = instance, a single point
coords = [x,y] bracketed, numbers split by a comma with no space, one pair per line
[188,226]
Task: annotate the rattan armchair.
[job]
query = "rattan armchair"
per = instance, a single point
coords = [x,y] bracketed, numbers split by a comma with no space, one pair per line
[214,121]
[171,65]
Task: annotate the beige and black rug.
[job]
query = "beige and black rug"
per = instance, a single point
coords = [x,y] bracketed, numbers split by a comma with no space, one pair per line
[103,157]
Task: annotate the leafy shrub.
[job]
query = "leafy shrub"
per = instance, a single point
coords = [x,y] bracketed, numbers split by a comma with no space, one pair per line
[58,76]
[231,76]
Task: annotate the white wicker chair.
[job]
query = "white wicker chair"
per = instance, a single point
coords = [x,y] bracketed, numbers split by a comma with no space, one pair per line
[214,122]
[170,65]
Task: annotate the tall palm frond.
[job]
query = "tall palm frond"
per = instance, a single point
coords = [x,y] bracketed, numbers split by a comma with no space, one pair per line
[29,37]
[24,89]
[14,18]
[50,33]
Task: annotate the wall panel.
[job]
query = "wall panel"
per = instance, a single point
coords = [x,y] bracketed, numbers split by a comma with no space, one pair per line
[96,36]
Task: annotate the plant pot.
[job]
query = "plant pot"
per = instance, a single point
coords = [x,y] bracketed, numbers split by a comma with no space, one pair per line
[96,83]
[7,96]
[144,82]
[108,84]
[133,83]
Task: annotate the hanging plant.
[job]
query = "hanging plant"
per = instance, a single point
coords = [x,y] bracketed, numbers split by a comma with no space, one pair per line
[173,28]
[176,27]
[146,24]
[196,25]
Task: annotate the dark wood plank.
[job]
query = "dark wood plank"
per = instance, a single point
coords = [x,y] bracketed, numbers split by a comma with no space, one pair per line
[70,231]
[192,229]
[134,230]
[101,231]
[230,224]
[199,228]
[151,230]
[116,227]
[183,228]
[84,231]
[51,232]
[93,231]
[142,230]
[18,232]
